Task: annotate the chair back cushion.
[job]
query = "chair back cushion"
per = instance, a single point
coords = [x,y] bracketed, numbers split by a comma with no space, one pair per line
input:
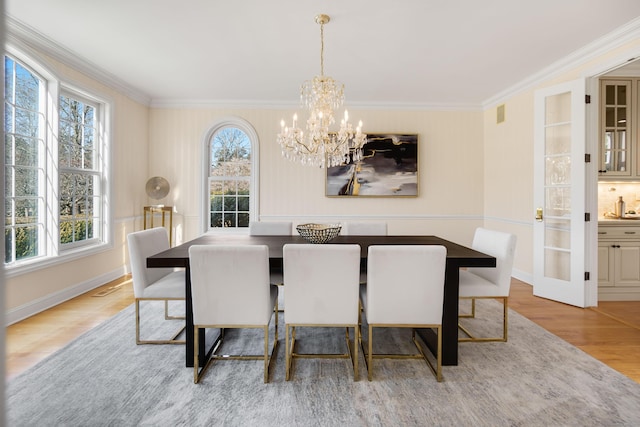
[502,246]
[405,284]
[143,244]
[321,283]
[364,228]
[270,228]
[230,284]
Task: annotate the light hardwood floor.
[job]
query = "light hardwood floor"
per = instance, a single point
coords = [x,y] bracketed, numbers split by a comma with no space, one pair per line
[610,332]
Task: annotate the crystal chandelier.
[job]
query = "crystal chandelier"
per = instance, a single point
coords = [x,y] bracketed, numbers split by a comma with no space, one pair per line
[318,146]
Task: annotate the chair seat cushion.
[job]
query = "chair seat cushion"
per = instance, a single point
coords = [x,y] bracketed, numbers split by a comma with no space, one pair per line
[472,285]
[170,286]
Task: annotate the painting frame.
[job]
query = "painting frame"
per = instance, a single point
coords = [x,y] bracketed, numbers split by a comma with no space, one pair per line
[389,168]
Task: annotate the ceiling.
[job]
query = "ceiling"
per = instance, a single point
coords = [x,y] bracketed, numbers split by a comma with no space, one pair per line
[403,53]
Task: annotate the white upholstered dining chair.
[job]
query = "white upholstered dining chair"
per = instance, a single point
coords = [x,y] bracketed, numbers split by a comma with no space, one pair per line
[493,283]
[371,228]
[270,228]
[405,289]
[230,289]
[273,228]
[322,283]
[149,284]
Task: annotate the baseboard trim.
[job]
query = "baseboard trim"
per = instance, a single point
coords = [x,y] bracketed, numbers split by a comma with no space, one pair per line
[522,276]
[619,294]
[36,306]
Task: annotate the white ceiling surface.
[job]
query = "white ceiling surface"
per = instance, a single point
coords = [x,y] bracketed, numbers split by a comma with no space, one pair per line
[402,53]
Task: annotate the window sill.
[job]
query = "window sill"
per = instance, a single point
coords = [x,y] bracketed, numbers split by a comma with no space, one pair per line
[41,263]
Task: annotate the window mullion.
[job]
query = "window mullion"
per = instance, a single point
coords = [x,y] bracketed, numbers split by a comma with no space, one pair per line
[51,170]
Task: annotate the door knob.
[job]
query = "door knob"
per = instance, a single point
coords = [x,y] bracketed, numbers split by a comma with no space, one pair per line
[539,214]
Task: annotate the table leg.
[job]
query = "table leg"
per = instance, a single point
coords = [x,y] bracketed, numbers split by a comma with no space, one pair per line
[188,346]
[449,320]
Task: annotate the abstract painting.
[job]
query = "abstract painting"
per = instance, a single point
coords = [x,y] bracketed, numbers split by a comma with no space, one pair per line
[389,168]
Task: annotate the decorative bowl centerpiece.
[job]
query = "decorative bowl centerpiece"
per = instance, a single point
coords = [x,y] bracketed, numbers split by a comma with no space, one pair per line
[318,233]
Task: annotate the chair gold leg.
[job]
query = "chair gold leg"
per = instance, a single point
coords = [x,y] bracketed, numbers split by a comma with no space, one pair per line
[287,354]
[138,322]
[166,313]
[356,339]
[505,317]
[291,354]
[266,354]
[370,354]
[197,371]
[276,321]
[214,352]
[171,340]
[352,349]
[473,309]
[505,326]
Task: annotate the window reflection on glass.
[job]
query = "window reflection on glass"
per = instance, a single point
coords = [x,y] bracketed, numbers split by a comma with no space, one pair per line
[614,145]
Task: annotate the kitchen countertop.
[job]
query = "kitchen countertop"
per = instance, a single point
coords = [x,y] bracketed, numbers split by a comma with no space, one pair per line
[621,222]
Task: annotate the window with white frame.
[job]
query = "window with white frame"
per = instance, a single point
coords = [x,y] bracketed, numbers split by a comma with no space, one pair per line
[24,122]
[55,167]
[80,171]
[231,180]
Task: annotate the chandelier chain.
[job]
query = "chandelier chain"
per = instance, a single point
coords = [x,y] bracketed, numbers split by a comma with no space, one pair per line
[322,48]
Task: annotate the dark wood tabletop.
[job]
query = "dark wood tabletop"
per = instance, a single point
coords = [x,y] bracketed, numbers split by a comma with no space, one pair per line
[178,256]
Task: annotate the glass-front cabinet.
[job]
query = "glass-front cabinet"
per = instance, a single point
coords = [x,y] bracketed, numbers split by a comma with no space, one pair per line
[618,133]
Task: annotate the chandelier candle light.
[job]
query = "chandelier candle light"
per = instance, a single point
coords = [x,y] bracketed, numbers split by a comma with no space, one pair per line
[319,146]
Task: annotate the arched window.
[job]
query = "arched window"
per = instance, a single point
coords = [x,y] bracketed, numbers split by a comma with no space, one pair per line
[231,170]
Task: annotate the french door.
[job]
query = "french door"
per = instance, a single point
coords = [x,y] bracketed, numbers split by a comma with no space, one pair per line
[559,193]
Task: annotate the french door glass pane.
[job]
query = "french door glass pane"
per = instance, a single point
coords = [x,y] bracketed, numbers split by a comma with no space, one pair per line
[557,157]
[557,264]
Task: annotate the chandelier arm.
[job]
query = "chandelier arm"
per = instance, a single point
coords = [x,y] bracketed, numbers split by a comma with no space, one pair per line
[309,149]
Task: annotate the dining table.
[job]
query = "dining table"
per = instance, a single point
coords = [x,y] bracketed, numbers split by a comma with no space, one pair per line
[458,256]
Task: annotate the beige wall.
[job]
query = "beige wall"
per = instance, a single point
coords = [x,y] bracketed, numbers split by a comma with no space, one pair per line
[450,201]
[508,175]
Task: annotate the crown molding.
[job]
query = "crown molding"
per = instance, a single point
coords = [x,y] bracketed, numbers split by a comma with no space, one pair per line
[281,105]
[615,39]
[24,36]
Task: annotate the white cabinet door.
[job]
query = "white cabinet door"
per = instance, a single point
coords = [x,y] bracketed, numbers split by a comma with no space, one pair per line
[606,253]
[627,264]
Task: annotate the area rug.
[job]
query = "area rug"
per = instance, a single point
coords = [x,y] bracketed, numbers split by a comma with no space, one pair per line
[535,379]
